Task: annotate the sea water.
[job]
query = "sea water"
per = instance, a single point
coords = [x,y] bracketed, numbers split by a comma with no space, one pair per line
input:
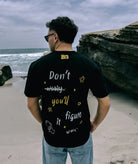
[20,59]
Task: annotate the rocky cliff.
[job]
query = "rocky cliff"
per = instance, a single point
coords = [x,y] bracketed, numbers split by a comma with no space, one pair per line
[116,51]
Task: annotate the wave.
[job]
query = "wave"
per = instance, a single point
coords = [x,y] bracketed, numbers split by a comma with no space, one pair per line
[23,55]
[19,62]
[22,51]
[19,73]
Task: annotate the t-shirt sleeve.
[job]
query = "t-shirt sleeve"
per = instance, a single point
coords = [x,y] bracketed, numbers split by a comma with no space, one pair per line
[33,84]
[97,82]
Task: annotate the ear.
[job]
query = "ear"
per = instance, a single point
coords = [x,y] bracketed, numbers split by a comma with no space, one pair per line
[56,36]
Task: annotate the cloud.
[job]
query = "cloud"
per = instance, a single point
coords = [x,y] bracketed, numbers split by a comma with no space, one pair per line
[108,3]
[23,21]
[31,13]
[100,3]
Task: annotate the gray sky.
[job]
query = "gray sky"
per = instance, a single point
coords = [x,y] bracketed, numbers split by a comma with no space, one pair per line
[22,22]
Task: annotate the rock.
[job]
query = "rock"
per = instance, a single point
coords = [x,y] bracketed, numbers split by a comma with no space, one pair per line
[5,74]
[116,51]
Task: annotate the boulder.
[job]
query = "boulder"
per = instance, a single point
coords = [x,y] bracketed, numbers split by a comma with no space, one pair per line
[116,51]
[5,74]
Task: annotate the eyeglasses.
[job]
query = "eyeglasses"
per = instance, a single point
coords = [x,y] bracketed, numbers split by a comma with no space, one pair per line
[47,36]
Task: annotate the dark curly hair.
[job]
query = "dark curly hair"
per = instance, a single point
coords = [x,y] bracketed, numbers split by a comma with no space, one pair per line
[64,27]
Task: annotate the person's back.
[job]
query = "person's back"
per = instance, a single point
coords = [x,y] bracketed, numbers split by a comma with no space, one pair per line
[63,79]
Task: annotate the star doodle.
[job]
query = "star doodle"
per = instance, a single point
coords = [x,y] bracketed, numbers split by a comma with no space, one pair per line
[82,79]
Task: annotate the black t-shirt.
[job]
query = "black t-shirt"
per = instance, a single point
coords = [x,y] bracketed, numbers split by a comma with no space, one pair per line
[63,79]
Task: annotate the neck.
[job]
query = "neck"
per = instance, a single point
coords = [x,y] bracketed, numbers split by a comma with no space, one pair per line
[61,46]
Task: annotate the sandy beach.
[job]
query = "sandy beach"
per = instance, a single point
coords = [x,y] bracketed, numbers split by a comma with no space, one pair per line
[115,140]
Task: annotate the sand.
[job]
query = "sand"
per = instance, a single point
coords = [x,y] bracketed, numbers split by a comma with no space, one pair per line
[115,140]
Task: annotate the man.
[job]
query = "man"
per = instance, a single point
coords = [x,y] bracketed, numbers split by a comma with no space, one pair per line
[63,79]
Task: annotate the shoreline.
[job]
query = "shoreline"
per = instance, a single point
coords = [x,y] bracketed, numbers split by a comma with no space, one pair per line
[115,140]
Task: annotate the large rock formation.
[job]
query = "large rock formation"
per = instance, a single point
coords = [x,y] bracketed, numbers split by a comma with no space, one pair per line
[116,51]
[5,74]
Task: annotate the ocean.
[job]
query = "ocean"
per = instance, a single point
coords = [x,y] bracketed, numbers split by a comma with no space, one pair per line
[20,59]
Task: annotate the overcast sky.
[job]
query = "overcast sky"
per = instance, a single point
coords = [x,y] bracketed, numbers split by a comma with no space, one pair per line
[22,22]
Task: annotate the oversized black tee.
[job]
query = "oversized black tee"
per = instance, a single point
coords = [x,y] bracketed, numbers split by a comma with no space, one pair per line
[63,79]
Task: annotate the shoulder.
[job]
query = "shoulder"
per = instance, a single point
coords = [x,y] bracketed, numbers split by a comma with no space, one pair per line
[90,63]
[41,61]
